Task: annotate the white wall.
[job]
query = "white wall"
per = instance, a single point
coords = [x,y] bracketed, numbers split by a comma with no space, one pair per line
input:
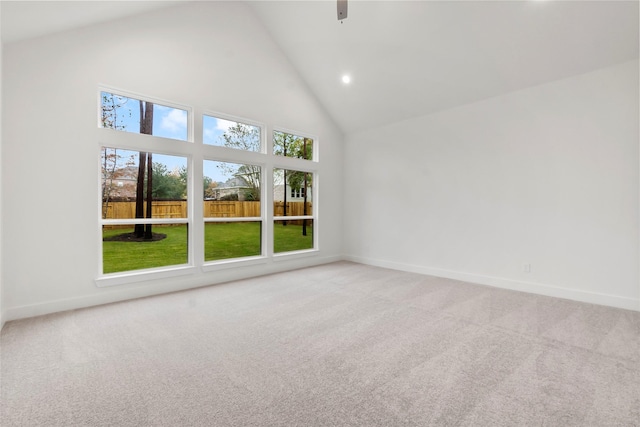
[546,176]
[211,55]
[2,319]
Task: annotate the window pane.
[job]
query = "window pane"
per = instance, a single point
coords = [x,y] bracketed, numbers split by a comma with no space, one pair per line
[223,240]
[121,197]
[292,192]
[123,251]
[139,116]
[231,190]
[293,235]
[289,145]
[230,134]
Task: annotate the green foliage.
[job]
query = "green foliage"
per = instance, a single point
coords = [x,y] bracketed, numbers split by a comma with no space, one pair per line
[296,179]
[168,185]
[286,144]
[243,137]
[289,145]
[233,197]
[251,195]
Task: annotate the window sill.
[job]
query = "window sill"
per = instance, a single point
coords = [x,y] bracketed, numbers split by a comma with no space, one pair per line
[233,263]
[127,277]
[284,256]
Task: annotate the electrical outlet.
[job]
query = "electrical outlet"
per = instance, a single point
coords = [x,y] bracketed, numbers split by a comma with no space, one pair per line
[526,268]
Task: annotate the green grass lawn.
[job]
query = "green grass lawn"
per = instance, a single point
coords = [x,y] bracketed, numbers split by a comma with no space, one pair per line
[222,241]
[289,237]
[126,256]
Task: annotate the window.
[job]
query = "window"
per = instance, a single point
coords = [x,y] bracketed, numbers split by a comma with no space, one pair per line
[155,171]
[290,145]
[232,210]
[123,251]
[146,117]
[297,193]
[144,192]
[138,188]
[293,225]
[230,134]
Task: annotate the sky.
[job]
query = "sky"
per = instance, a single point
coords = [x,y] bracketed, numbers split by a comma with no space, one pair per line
[169,122]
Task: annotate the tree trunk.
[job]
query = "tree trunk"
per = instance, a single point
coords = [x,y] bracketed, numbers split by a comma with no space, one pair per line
[146,127]
[284,206]
[142,162]
[148,233]
[304,194]
[284,192]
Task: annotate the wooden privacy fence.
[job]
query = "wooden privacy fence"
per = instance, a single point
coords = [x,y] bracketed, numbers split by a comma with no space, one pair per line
[293,209]
[125,210]
[212,209]
[230,209]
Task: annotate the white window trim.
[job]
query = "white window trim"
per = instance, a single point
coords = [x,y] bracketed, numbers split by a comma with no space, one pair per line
[233,219]
[314,155]
[143,275]
[158,101]
[283,256]
[241,120]
[292,218]
[233,263]
[111,138]
[196,151]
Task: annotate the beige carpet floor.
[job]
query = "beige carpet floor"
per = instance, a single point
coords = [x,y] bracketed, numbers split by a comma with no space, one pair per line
[336,345]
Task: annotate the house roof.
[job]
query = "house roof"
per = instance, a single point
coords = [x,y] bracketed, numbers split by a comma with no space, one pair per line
[235,182]
[405,58]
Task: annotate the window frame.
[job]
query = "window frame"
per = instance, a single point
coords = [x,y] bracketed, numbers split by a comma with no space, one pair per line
[261,219]
[218,153]
[298,165]
[235,119]
[131,141]
[315,157]
[196,152]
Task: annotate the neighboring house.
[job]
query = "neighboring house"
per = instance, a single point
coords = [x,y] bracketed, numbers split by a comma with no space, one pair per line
[235,186]
[121,185]
[293,195]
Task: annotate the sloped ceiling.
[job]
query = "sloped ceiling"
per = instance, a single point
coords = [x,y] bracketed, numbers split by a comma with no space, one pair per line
[25,19]
[406,58]
[416,57]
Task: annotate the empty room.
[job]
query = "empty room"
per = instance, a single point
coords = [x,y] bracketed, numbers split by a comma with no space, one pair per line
[320,213]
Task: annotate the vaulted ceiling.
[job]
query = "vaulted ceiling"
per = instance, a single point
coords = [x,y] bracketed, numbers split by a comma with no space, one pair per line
[412,58]
[405,58]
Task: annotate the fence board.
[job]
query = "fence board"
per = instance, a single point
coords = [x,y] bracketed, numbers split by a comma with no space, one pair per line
[212,209]
[293,209]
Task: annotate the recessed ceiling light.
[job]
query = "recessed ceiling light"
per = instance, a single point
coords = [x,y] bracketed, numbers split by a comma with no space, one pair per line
[346,79]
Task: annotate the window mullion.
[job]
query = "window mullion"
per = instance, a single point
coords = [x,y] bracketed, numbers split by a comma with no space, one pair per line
[202,143]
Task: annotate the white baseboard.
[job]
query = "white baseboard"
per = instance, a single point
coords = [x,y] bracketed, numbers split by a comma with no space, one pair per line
[126,293]
[499,282]
[123,293]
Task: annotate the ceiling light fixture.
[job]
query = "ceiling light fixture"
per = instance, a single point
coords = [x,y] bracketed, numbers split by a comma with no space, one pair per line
[346,79]
[342,10]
